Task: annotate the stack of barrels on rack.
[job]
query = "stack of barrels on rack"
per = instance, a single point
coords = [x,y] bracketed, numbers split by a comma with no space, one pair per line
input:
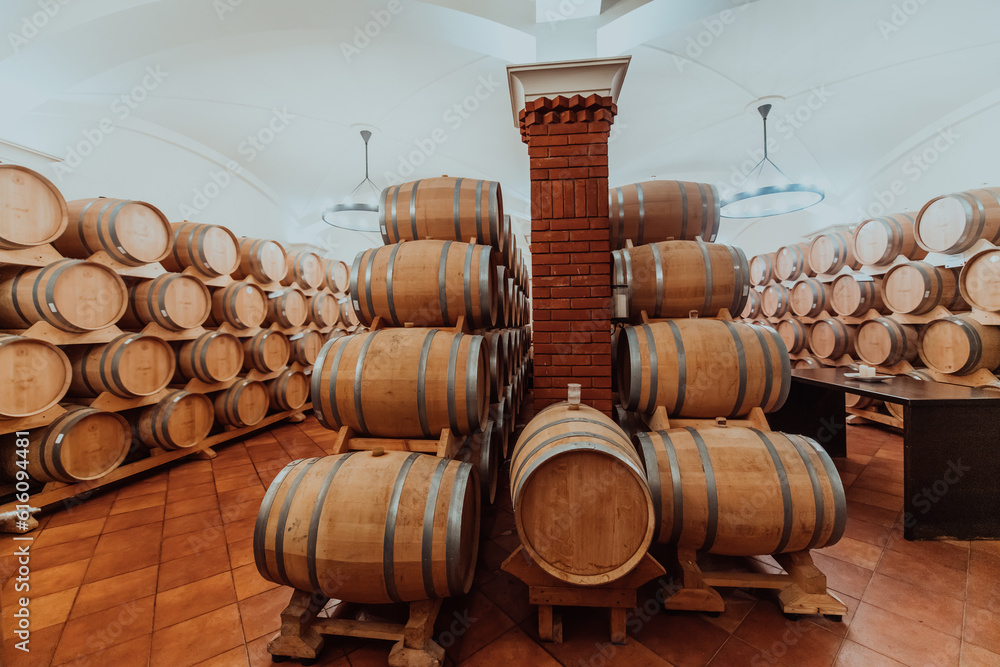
[577,476]
[441,356]
[126,334]
[900,291]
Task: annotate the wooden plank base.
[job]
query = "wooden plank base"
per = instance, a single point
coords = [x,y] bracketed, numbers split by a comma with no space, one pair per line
[548,592]
[303,632]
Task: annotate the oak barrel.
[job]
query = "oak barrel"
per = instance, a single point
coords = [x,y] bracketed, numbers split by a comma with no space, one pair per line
[210,250]
[34,376]
[174,301]
[266,351]
[482,451]
[566,468]
[79,445]
[960,345]
[918,287]
[743,492]
[324,311]
[809,297]
[762,269]
[886,342]
[752,309]
[832,339]
[979,281]
[403,383]
[337,276]
[860,402]
[455,209]
[260,259]
[243,404]
[795,335]
[130,366]
[348,316]
[775,301]
[71,295]
[303,268]
[212,357]
[853,296]
[654,211]
[702,368]
[132,233]
[180,420]
[428,283]
[951,224]
[288,308]
[496,350]
[375,528]
[288,391]
[878,241]
[829,253]
[791,262]
[305,346]
[673,278]
[32,210]
[242,305]
[807,362]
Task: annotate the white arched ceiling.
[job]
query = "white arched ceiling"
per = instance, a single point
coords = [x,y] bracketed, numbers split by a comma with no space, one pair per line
[896,101]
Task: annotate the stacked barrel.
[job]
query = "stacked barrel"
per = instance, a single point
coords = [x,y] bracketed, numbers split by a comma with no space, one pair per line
[159,330]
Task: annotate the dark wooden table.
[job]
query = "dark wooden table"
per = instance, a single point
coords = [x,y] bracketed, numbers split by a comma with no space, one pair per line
[951,446]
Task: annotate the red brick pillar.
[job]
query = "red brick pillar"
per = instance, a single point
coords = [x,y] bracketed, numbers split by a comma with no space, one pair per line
[570,246]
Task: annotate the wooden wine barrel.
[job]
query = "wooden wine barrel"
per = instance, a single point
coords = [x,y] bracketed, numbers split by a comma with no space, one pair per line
[673,278]
[896,409]
[455,209]
[979,281]
[180,420]
[403,383]
[71,295]
[32,210]
[34,375]
[702,368]
[918,287]
[807,362]
[886,342]
[791,262]
[260,259]
[743,492]
[305,346]
[655,211]
[174,301]
[79,445]
[303,268]
[775,301]
[212,357]
[832,339]
[288,308]
[324,311]
[951,224]
[829,253]
[752,309]
[762,269]
[371,528]
[853,297]
[860,402]
[428,283]
[960,345]
[288,391]
[499,417]
[878,241]
[243,404]
[561,458]
[496,352]
[210,250]
[348,316]
[240,304]
[795,335]
[480,450]
[337,276]
[503,298]
[132,233]
[267,351]
[809,297]
[130,366]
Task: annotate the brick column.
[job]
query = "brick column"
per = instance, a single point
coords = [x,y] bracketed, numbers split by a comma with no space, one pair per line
[570,246]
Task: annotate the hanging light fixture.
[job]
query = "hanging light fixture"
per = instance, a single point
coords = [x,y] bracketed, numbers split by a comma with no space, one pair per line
[360,212]
[773,196]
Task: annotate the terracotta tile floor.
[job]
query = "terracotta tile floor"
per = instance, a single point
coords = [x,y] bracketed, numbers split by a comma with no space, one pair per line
[160,572]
